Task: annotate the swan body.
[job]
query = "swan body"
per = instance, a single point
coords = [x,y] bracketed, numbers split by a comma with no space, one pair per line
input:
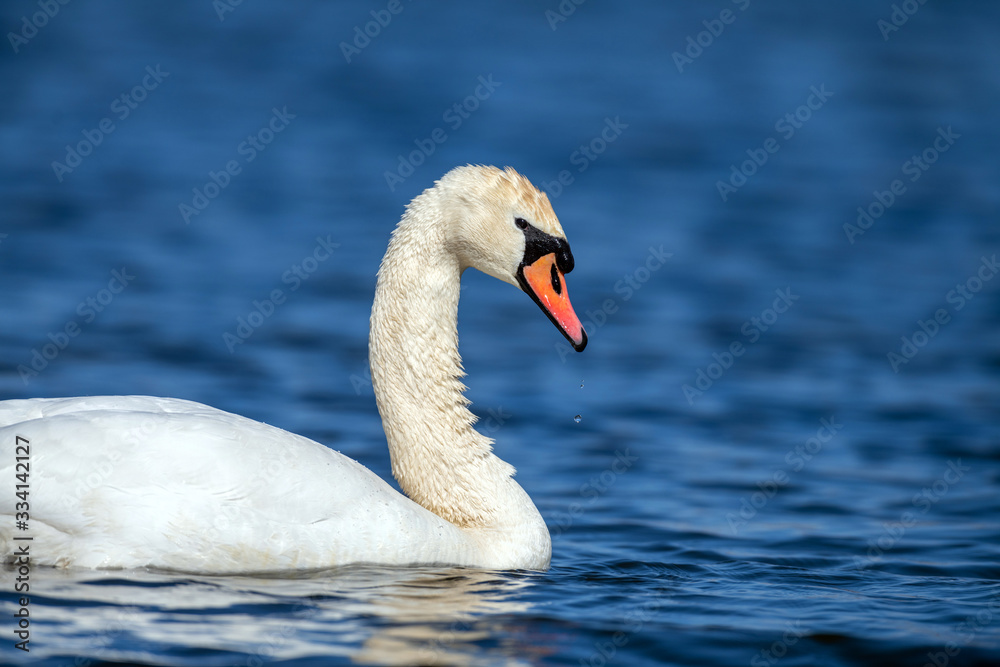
[130,481]
[133,481]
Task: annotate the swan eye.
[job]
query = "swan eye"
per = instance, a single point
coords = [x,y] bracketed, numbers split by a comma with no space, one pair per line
[521,223]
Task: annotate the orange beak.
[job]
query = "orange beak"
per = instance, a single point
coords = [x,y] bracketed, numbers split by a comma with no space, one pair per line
[545,283]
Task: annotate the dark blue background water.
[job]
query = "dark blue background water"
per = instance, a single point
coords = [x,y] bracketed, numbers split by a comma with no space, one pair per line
[724,527]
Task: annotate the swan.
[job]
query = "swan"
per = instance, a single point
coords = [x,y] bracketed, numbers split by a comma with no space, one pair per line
[139,481]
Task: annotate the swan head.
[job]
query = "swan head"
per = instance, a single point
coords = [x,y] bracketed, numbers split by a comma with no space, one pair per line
[505,227]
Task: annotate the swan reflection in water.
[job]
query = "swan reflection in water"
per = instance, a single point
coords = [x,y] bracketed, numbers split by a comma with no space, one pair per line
[365,614]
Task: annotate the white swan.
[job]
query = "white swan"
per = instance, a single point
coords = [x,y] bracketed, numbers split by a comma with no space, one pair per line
[132,481]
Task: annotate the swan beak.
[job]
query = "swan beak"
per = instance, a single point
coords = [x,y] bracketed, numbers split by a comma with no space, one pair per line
[545,283]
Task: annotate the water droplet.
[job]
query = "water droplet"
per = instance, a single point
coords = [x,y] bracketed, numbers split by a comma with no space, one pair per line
[581,384]
[577,419]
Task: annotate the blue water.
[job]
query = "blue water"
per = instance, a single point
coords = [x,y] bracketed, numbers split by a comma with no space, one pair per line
[809,499]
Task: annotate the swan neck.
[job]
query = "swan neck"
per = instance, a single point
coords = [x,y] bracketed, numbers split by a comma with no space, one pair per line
[440,461]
